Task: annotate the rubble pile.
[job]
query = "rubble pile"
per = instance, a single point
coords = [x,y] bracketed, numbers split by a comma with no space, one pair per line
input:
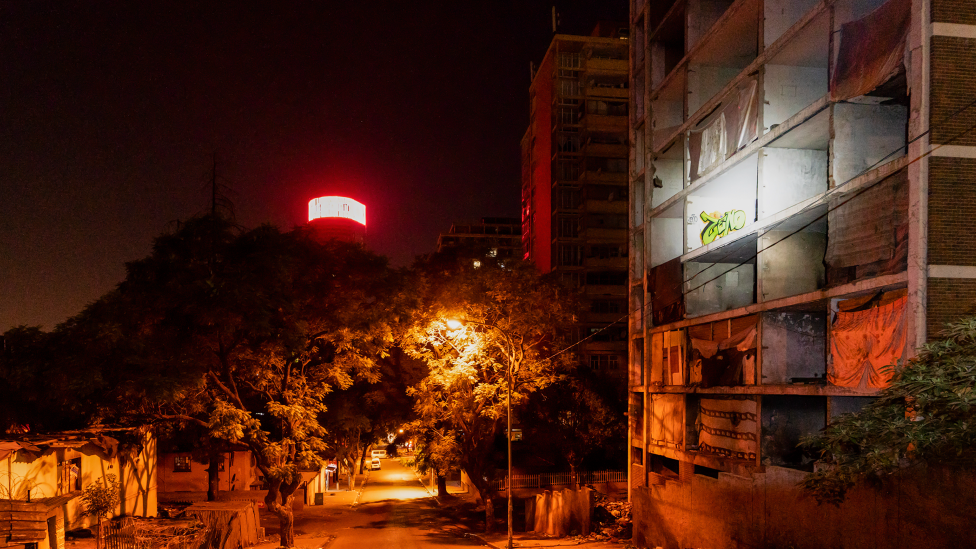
[611,520]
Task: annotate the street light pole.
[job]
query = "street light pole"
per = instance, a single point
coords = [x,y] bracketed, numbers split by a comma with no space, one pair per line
[508,402]
[453,324]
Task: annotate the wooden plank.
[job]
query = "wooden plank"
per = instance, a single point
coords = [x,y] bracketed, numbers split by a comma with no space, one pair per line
[28,527]
[22,515]
[28,536]
[18,506]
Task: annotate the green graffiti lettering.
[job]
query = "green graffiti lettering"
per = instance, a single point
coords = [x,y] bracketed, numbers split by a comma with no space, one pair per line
[719,225]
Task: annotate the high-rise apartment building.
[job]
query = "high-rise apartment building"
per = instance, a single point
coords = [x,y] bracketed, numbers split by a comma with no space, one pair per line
[801,175]
[494,236]
[574,182]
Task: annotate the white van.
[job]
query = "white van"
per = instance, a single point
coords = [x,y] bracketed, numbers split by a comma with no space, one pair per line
[378,454]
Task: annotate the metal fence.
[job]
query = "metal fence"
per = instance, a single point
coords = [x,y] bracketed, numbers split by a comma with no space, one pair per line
[129,534]
[546,480]
[119,535]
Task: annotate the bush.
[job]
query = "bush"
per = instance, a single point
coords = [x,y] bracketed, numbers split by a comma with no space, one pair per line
[926,416]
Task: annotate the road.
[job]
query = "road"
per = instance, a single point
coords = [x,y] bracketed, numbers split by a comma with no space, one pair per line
[395,511]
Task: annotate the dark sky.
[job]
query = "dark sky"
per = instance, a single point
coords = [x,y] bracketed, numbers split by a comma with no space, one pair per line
[111,112]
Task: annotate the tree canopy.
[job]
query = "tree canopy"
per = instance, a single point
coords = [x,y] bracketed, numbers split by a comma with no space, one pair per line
[927,416]
[268,323]
[244,333]
[478,323]
[578,420]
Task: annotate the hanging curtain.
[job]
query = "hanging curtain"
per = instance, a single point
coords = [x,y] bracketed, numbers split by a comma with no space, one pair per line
[748,122]
[727,427]
[733,125]
[872,50]
[864,344]
[861,227]
[667,423]
[714,144]
[667,301]
[722,363]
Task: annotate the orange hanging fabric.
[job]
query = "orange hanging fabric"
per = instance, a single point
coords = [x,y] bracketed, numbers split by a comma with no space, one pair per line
[864,344]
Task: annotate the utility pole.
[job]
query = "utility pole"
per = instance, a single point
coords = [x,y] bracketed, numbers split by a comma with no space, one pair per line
[213,187]
[508,402]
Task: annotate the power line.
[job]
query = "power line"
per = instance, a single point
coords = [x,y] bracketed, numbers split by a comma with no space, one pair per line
[838,205]
[815,220]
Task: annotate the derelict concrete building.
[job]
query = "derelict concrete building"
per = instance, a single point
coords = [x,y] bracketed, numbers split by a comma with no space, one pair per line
[801,173]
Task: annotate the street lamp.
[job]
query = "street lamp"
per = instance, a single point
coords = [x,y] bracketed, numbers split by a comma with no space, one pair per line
[454,325]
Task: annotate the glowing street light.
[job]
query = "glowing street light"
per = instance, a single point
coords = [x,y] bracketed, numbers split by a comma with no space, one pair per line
[453,324]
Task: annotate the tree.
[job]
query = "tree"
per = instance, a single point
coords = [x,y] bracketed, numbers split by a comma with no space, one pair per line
[41,393]
[244,332]
[479,327]
[366,412]
[100,500]
[195,438]
[436,452]
[927,416]
[577,419]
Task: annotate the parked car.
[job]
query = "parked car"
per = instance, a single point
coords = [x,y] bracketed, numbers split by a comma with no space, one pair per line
[378,454]
[375,464]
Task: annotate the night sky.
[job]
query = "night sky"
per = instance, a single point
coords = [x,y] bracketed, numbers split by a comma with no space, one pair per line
[111,114]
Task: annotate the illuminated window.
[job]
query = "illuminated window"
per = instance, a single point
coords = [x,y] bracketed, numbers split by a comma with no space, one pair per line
[568,227]
[606,278]
[567,142]
[570,256]
[567,170]
[568,115]
[567,197]
[569,60]
[601,306]
[69,475]
[612,333]
[572,280]
[603,362]
[182,464]
[477,264]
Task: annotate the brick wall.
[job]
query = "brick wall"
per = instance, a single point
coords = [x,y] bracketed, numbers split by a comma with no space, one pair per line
[953,87]
[952,211]
[954,11]
[948,300]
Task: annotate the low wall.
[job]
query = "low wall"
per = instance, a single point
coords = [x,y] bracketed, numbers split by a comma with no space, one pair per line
[257,496]
[560,512]
[232,524]
[613,490]
[931,509]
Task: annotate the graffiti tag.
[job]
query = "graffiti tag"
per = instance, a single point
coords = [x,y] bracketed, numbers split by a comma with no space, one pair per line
[718,225]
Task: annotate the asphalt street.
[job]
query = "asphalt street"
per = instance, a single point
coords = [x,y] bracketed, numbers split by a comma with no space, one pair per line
[394,511]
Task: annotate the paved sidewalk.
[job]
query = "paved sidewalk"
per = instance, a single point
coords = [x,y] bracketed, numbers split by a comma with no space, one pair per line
[499,540]
[309,519]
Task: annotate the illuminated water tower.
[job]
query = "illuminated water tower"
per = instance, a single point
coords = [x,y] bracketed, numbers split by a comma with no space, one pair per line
[338,217]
